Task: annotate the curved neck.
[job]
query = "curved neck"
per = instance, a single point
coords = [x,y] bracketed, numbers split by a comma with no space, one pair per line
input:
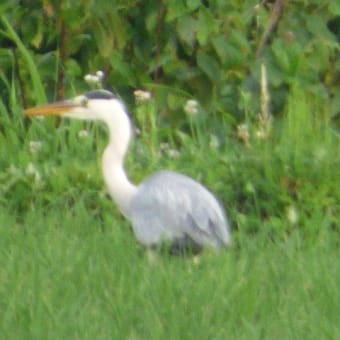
[119,186]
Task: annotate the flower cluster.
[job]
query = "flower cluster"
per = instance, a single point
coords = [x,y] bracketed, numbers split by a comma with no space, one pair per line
[166,149]
[191,107]
[264,117]
[142,96]
[95,79]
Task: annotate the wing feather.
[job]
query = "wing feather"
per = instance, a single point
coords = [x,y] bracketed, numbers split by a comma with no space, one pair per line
[171,206]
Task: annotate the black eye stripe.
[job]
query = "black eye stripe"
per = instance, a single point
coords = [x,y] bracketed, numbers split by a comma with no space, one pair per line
[99,94]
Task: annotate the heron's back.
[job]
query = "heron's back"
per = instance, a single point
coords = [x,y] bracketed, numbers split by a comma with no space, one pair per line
[171,206]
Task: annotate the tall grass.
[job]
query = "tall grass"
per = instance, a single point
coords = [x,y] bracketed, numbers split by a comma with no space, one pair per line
[70,266]
[32,68]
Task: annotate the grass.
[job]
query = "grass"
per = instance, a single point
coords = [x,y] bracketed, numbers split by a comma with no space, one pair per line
[32,67]
[70,266]
[82,278]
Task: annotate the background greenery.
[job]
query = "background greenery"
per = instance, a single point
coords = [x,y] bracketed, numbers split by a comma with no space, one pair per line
[69,265]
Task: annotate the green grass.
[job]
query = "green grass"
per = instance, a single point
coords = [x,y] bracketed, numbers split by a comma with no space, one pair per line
[71,268]
[11,34]
[70,275]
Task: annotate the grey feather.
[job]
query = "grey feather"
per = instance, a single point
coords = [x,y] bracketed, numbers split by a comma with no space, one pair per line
[169,206]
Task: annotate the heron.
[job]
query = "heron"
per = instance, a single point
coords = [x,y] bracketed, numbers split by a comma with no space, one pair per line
[168,207]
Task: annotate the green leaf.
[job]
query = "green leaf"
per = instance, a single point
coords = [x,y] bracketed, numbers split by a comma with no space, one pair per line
[102,37]
[229,54]
[318,26]
[220,44]
[151,20]
[73,69]
[334,7]
[186,29]
[206,26]
[175,9]
[122,68]
[281,55]
[193,4]
[38,37]
[175,101]
[209,66]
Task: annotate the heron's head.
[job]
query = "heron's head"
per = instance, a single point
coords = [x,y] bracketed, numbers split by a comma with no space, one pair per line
[95,105]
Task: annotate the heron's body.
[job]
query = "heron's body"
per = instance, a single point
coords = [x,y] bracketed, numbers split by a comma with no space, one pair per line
[167,206]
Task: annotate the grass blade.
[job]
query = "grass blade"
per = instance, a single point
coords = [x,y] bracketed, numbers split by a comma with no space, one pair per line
[37,84]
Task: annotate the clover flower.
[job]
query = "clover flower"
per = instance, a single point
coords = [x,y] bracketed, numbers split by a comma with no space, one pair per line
[191,107]
[166,149]
[95,79]
[292,214]
[142,96]
[32,171]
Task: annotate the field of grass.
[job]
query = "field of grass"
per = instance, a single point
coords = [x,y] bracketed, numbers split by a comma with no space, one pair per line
[64,274]
[71,268]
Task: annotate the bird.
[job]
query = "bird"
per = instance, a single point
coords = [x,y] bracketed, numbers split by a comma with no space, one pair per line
[166,208]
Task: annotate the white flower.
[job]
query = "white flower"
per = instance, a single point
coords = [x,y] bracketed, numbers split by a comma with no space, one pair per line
[35,146]
[292,214]
[83,134]
[142,96]
[95,79]
[91,79]
[165,149]
[191,107]
[32,171]
[100,75]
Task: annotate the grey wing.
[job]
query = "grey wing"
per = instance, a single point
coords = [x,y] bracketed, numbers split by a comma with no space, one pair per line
[170,206]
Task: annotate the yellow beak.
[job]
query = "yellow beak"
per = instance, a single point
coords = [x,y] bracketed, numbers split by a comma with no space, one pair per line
[54,109]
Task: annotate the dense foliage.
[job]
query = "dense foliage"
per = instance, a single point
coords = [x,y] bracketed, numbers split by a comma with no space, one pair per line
[220,53]
[210,50]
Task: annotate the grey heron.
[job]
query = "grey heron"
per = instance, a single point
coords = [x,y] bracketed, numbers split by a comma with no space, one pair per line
[168,206]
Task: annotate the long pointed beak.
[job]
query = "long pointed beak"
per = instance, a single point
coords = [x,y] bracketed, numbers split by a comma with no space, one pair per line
[54,109]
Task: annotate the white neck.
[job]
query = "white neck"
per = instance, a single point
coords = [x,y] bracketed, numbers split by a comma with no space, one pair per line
[119,186]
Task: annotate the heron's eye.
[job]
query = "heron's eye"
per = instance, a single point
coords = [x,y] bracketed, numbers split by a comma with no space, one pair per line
[81,100]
